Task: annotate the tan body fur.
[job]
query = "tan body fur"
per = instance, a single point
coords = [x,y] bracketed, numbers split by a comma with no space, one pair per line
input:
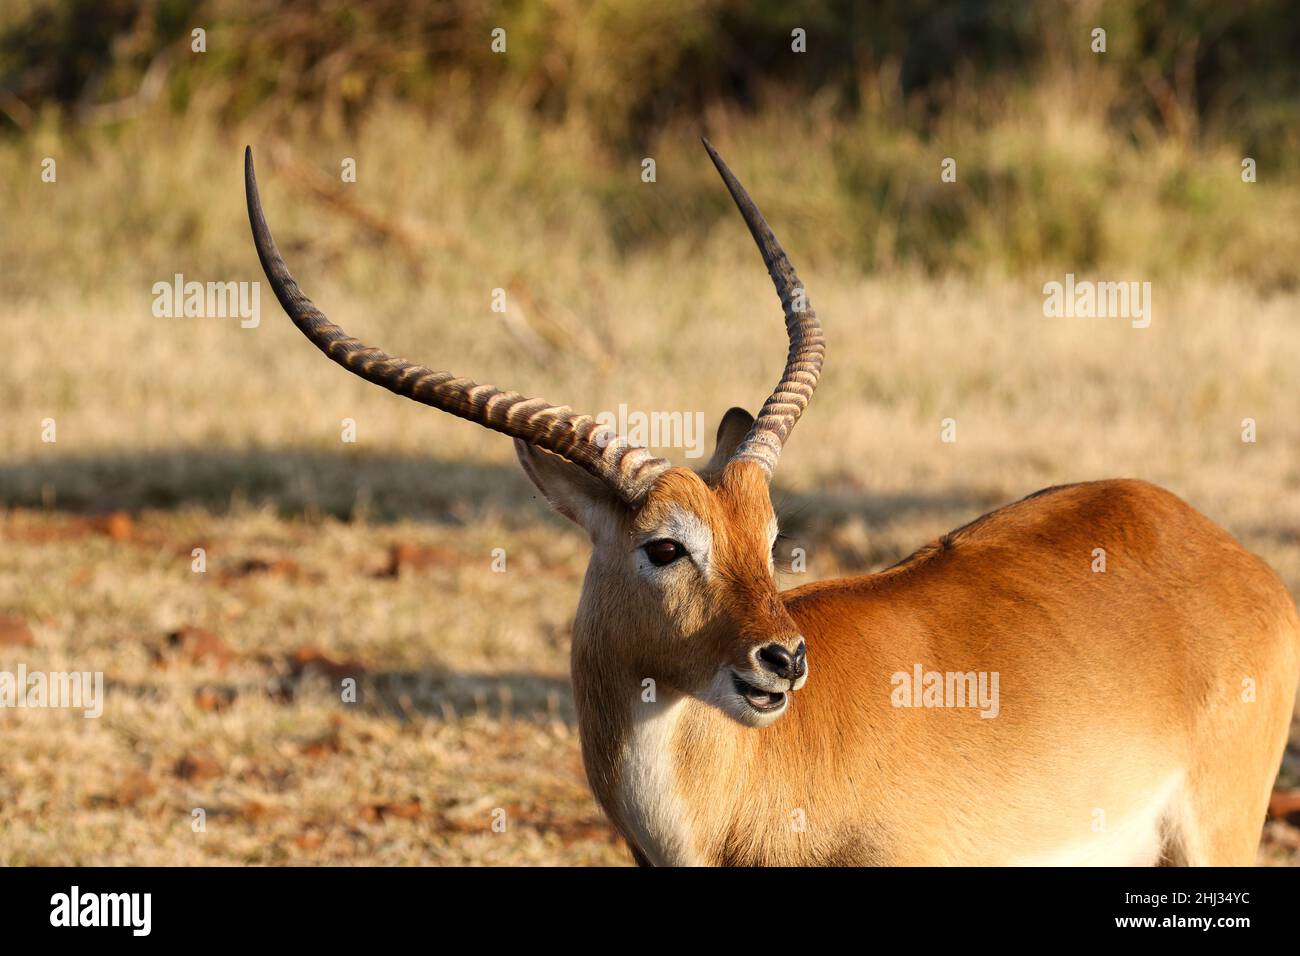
[1122,694]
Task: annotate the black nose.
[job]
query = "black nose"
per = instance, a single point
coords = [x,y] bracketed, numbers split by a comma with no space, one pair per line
[782,663]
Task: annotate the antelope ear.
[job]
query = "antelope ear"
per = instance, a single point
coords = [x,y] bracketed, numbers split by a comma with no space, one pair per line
[578,495]
[733,428]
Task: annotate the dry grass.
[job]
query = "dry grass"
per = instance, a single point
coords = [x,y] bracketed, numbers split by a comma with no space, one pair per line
[227,439]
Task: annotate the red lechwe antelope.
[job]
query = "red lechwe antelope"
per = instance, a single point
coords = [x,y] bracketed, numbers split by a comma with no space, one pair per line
[726,722]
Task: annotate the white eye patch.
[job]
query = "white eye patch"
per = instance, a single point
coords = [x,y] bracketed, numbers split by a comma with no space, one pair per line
[687,529]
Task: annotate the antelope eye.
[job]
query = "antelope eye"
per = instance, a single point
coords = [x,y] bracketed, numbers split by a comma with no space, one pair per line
[664,551]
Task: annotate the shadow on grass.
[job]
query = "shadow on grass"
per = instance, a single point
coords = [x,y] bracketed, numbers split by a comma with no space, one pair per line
[434,693]
[294,482]
[457,694]
[383,487]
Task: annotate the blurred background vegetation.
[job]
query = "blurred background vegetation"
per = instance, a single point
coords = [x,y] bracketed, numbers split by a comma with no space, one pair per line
[1067,157]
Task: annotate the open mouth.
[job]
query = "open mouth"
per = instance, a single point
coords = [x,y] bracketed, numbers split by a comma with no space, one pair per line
[764,701]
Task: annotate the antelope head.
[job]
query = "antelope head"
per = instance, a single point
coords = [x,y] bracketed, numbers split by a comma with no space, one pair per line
[680,586]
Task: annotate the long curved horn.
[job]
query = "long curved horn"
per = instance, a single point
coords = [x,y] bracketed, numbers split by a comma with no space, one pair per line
[803,364]
[628,470]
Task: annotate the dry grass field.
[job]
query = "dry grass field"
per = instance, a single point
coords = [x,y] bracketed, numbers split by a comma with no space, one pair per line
[374,559]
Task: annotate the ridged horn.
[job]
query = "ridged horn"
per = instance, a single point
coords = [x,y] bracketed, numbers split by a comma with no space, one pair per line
[803,363]
[628,470]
